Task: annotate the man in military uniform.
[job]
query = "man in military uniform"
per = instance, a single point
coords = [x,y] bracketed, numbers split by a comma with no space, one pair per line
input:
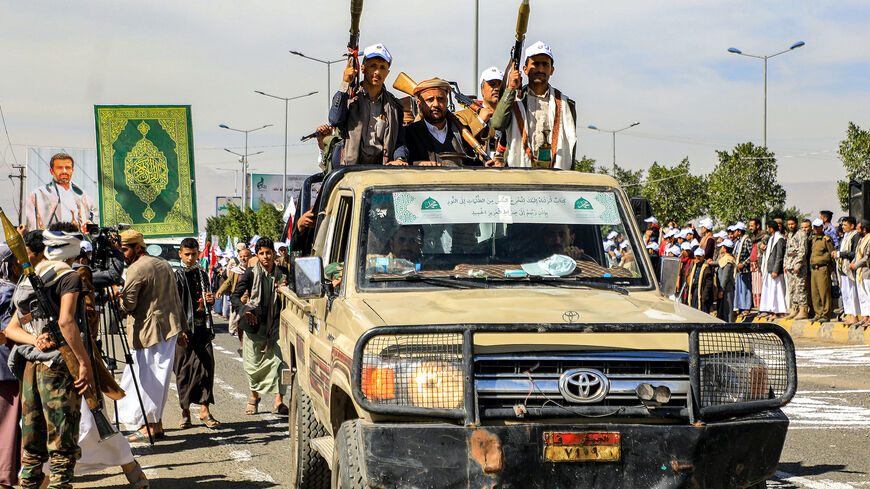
[796,270]
[51,396]
[821,265]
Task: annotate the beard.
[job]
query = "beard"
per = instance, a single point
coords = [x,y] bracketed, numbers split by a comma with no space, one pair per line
[432,118]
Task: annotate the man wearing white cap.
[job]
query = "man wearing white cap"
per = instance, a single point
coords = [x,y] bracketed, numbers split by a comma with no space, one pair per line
[743,277]
[773,285]
[478,121]
[725,276]
[370,120]
[821,266]
[708,243]
[700,286]
[540,123]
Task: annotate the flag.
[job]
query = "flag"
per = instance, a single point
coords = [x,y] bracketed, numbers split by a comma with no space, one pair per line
[145,168]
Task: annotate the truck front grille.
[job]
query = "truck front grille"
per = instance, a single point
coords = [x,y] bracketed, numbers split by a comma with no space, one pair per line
[510,385]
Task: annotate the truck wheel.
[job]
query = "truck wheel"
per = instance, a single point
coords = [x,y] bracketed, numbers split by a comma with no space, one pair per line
[307,468]
[347,469]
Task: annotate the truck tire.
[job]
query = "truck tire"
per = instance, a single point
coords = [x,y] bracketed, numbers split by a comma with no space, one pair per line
[347,463]
[308,470]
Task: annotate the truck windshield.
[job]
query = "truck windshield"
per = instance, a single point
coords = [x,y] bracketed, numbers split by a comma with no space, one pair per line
[502,237]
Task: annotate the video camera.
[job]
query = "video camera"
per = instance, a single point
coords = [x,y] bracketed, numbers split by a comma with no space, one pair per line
[105,241]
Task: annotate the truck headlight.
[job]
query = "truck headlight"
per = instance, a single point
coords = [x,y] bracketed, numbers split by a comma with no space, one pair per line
[414,370]
[436,385]
[741,367]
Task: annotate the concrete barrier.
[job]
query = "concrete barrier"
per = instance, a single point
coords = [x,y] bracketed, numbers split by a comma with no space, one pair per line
[833,331]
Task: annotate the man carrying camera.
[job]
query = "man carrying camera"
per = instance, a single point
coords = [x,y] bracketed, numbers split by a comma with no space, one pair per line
[155,321]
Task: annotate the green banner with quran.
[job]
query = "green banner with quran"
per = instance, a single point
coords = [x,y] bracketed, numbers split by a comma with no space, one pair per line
[146,174]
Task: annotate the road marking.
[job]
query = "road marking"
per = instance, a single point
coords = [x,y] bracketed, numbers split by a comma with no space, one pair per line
[826,411]
[229,389]
[241,455]
[848,356]
[812,484]
[256,475]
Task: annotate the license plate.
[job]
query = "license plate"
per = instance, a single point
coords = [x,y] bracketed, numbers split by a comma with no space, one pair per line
[581,446]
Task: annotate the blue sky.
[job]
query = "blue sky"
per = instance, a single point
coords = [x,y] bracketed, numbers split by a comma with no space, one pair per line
[664,64]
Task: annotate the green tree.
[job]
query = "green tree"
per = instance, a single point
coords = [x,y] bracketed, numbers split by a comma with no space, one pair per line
[630,180]
[270,222]
[586,165]
[217,226]
[743,185]
[854,152]
[674,193]
[782,212]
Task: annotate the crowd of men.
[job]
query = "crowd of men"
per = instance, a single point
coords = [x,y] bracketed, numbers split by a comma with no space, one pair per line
[792,268]
[48,435]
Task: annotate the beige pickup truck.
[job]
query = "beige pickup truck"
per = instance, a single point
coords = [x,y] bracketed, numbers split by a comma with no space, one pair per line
[480,333]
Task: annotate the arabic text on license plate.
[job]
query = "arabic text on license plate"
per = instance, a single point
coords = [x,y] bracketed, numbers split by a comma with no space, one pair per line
[582,446]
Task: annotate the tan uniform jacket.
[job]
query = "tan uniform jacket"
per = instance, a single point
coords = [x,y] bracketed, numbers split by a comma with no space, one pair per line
[151,302]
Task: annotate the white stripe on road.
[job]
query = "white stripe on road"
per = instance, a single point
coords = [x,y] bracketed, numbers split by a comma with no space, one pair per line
[852,391]
[811,484]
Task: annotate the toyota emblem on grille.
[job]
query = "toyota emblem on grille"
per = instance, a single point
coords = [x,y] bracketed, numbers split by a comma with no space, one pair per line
[583,385]
[571,316]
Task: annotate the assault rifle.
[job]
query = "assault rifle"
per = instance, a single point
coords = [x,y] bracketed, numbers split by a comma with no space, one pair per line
[517,51]
[46,310]
[209,321]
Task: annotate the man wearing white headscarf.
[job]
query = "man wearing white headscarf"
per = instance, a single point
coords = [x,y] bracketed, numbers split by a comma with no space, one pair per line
[539,121]
[773,285]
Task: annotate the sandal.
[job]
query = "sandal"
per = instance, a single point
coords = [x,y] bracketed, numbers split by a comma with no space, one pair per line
[139,437]
[253,407]
[209,421]
[137,478]
[185,423]
[281,409]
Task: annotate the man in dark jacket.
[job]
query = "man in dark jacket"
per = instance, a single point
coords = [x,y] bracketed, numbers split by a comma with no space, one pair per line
[370,120]
[194,361]
[701,285]
[436,139]
[773,284]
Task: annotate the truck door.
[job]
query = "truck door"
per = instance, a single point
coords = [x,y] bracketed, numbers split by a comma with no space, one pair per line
[335,251]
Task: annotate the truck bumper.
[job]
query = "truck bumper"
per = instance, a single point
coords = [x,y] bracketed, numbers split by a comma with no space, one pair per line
[729,454]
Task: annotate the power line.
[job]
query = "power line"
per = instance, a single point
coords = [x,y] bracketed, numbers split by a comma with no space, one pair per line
[8,139]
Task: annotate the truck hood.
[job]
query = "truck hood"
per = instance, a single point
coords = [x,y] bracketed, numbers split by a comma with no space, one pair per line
[542,306]
[531,305]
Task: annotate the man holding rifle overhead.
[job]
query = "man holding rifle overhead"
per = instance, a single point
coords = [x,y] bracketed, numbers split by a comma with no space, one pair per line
[369,120]
[539,120]
[478,121]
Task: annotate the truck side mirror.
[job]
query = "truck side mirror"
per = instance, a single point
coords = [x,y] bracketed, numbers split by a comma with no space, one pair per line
[669,272]
[308,272]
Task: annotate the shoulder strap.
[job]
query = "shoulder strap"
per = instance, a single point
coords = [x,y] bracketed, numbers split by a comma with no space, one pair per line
[557,123]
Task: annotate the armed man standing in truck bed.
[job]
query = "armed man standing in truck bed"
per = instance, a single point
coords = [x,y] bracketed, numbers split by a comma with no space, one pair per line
[539,121]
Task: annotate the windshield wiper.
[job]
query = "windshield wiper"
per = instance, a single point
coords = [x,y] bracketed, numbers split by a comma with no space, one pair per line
[457,283]
[592,284]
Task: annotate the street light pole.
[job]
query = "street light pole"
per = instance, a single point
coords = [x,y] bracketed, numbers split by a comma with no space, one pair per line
[243,161]
[613,136]
[244,157]
[328,72]
[764,58]
[286,103]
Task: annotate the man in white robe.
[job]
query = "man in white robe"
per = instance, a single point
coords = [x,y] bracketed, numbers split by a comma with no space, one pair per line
[539,121]
[844,256]
[155,322]
[773,286]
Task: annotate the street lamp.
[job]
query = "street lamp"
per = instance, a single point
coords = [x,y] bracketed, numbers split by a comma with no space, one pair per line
[236,171]
[244,157]
[613,134]
[328,74]
[286,100]
[765,58]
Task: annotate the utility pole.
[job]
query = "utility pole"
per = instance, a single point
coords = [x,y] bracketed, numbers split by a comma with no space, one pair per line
[20,178]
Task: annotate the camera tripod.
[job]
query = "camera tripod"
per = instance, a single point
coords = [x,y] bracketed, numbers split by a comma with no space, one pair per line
[111,323]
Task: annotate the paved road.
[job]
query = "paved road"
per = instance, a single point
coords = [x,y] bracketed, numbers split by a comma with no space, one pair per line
[828,446]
